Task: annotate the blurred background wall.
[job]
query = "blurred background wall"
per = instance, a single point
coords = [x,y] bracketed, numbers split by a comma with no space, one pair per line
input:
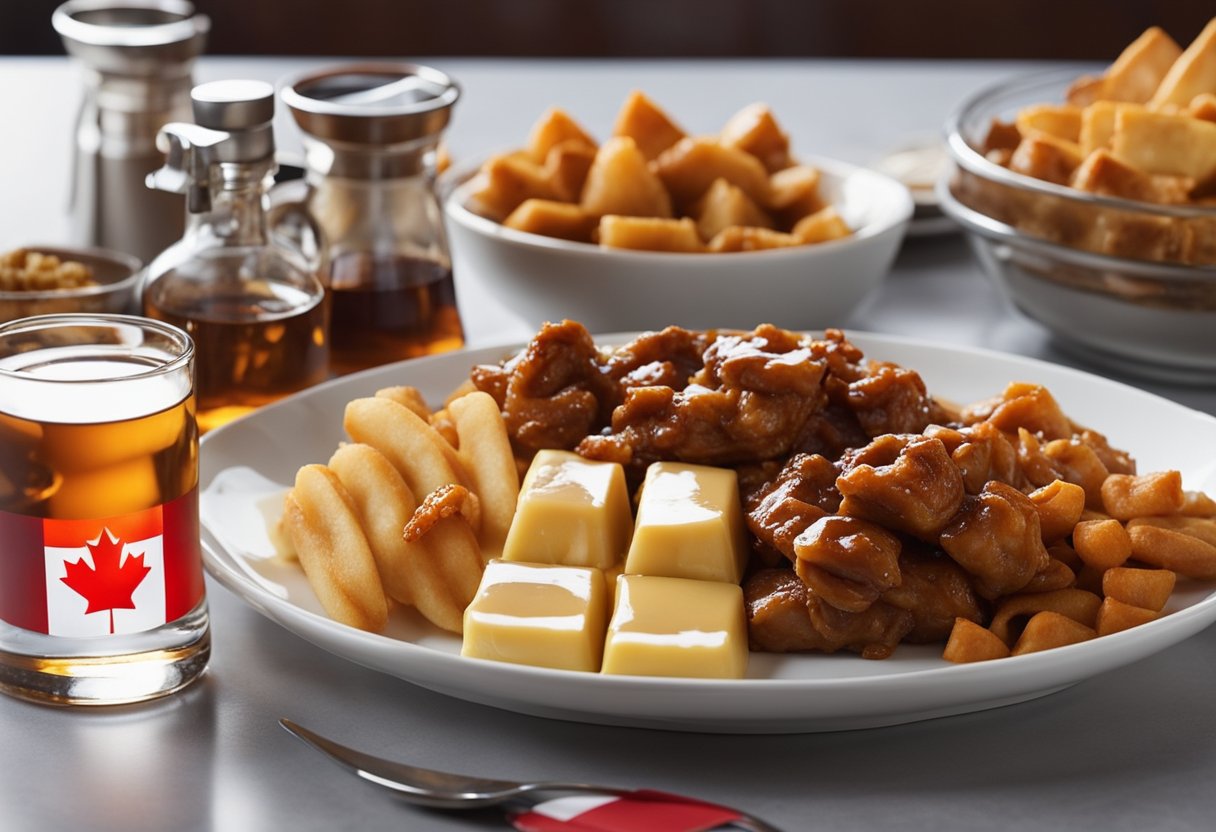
[1041,29]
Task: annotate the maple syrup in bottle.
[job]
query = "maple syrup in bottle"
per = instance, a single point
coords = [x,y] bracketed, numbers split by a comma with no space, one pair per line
[255,308]
[101,584]
[371,133]
[387,309]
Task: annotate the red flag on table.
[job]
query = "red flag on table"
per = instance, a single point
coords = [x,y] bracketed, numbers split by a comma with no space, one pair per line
[640,811]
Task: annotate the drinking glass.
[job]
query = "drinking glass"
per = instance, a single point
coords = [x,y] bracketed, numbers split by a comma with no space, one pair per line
[101,581]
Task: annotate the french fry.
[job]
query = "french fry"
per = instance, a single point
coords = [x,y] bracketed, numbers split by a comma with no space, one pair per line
[567,166]
[384,505]
[410,397]
[322,522]
[422,457]
[485,451]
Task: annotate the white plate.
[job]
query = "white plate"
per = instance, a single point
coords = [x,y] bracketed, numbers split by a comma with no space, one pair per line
[256,458]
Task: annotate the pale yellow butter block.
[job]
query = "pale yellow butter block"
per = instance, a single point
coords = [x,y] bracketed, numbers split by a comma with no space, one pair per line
[676,627]
[538,614]
[690,524]
[571,511]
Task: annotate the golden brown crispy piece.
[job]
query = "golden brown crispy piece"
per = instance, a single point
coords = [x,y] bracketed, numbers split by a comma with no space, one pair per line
[1046,157]
[1102,173]
[563,220]
[555,127]
[620,182]
[754,130]
[746,238]
[645,122]
[567,166]
[691,165]
[724,205]
[1141,68]
[506,181]
[1059,121]
[1166,144]
[822,226]
[323,523]
[650,234]
[1193,73]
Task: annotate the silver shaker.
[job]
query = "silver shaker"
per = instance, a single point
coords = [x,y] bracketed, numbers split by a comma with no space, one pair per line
[138,57]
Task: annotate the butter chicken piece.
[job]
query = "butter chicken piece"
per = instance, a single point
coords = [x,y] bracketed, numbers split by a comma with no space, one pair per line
[803,492]
[996,538]
[748,403]
[848,562]
[936,591]
[784,616]
[906,483]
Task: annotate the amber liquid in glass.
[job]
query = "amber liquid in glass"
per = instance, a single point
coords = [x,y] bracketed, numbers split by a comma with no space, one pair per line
[72,471]
[387,309]
[247,353]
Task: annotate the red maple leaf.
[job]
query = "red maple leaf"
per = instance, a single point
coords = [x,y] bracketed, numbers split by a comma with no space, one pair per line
[109,584]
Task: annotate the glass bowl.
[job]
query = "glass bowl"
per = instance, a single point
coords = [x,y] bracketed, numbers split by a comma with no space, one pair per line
[1130,284]
[117,277]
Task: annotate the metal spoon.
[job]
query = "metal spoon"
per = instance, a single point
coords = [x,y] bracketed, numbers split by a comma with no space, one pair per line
[444,790]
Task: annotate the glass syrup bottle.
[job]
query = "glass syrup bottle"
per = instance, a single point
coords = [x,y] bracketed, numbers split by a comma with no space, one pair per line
[257,313]
[371,131]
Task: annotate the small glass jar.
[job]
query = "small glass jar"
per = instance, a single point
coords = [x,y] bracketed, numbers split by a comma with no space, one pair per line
[371,133]
[255,310]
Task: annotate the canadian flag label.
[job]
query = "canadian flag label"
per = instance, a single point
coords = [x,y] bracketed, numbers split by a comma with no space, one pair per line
[114,575]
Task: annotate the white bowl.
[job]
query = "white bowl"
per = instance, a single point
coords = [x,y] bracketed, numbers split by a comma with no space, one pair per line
[815,286]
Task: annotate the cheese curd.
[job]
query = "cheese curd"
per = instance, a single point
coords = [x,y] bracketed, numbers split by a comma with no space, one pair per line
[571,511]
[538,614]
[676,627]
[689,524]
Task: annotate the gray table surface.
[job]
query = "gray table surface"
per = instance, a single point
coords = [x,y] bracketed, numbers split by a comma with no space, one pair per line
[1132,749]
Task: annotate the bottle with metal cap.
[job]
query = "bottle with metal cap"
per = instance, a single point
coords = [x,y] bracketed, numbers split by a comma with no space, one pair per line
[371,133]
[138,56]
[256,311]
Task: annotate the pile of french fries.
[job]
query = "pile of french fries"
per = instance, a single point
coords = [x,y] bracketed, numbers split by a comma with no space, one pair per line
[406,513]
[653,187]
[1143,130]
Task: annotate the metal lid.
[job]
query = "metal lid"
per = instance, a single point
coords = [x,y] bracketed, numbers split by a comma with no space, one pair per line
[149,38]
[233,105]
[375,104]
